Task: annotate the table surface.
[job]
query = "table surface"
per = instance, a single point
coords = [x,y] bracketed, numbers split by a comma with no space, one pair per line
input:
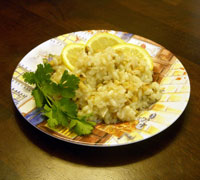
[26,153]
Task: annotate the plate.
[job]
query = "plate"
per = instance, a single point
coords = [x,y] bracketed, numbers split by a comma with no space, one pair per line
[168,71]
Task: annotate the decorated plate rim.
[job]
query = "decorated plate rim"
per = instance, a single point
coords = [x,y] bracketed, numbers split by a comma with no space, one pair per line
[80,36]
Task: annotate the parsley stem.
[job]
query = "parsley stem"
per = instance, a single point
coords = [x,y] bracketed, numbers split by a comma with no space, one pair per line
[48,99]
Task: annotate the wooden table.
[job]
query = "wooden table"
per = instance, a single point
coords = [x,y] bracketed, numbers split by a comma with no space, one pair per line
[26,153]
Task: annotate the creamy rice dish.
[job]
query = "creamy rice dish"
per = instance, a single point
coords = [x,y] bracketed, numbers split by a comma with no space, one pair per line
[113,87]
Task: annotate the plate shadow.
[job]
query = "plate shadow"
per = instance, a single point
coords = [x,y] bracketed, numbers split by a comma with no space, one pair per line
[100,156]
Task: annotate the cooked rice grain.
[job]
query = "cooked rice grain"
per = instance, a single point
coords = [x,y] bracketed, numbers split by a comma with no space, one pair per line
[112,87]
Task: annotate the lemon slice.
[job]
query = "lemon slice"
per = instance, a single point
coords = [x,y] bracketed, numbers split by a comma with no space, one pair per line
[70,53]
[101,41]
[134,50]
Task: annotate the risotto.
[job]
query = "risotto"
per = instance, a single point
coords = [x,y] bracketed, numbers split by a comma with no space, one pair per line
[113,87]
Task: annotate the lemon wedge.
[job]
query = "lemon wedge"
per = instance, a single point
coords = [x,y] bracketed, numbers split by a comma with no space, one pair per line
[134,50]
[101,41]
[70,53]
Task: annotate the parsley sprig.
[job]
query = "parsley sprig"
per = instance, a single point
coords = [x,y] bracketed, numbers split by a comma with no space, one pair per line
[56,99]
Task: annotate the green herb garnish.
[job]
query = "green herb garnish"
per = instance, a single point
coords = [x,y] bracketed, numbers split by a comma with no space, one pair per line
[56,99]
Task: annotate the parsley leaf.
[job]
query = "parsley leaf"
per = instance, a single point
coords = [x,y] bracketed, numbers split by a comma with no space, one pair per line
[68,84]
[39,97]
[50,113]
[80,127]
[29,77]
[43,73]
[56,99]
[69,80]
[68,106]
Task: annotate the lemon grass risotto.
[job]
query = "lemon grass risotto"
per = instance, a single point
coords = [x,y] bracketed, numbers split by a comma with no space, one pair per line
[113,87]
